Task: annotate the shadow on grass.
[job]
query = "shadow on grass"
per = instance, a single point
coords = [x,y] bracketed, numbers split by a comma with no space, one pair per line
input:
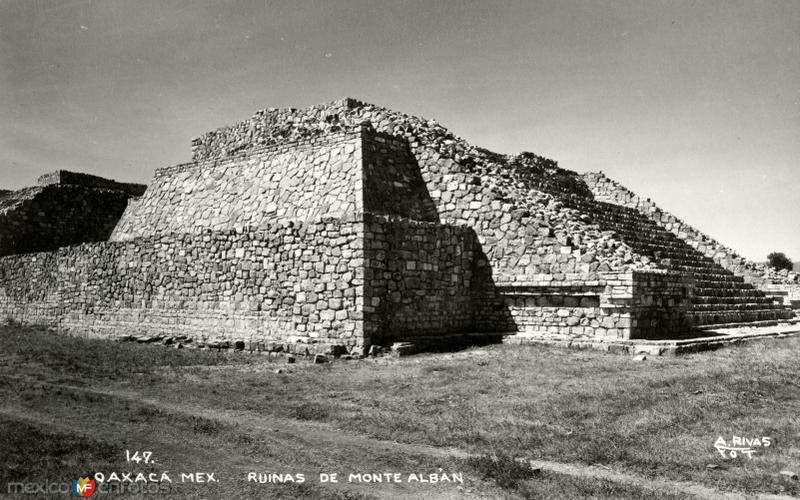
[504,470]
[519,478]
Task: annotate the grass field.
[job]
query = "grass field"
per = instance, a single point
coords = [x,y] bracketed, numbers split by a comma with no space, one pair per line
[72,406]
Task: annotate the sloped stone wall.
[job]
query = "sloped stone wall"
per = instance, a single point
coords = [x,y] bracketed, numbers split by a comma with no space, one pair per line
[55,215]
[352,171]
[392,182]
[297,181]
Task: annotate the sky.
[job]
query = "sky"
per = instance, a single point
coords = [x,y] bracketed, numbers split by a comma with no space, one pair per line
[694,104]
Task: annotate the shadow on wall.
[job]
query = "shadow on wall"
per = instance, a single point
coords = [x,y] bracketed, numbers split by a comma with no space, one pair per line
[46,218]
[430,284]
[428,207]
[424,280]
[490,313]
[393,180]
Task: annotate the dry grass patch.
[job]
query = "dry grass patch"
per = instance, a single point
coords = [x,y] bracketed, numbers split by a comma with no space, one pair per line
[659,418]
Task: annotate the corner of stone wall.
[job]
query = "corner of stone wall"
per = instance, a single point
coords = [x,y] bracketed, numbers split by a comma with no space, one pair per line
[364,328]
[787,294]
[417,281]
[648,304]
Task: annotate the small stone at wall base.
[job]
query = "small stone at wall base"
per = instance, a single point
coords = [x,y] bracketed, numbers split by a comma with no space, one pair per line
[402,349]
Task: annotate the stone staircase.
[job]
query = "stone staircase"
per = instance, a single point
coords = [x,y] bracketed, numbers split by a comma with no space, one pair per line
[720,297]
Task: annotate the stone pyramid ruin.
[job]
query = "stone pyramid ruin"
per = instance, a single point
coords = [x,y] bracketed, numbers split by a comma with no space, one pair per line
[345,225]
[64,208]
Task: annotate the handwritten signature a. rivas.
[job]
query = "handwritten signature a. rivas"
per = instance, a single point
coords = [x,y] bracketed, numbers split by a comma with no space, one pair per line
[739,445]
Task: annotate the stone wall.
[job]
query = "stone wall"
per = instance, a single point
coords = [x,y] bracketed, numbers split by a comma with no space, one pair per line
[515,204]
[55,215]
[558,308]
[659,303]
[392,181]
[296,181]
[508,201]
[523,231]
[628,305]
[332,282]
[29,288]
[288,282]
[419,279]
[349,172]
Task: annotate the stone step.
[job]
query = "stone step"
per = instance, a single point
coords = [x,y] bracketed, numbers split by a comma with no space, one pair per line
[749,306]
[719,296]
[731,300]
[720,317]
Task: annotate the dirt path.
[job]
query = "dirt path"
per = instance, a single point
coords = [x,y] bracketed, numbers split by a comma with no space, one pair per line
[686,487]
[321,436]
[290,441]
